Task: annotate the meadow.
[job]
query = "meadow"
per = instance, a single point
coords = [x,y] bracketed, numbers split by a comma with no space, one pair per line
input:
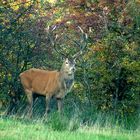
[21,128]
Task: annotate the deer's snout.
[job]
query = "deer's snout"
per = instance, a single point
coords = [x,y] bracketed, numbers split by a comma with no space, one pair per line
[72,69]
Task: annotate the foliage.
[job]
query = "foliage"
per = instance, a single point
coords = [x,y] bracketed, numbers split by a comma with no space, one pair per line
[107,77]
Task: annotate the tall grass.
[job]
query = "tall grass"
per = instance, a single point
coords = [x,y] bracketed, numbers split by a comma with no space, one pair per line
[56,128]
[73,124]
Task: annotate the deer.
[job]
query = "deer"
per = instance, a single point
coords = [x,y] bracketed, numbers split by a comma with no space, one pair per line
[56,83]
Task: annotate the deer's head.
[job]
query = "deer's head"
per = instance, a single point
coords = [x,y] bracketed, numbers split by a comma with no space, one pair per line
[68,66]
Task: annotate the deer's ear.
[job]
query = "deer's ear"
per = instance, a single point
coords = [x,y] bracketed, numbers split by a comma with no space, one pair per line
[62,58]
[75,60]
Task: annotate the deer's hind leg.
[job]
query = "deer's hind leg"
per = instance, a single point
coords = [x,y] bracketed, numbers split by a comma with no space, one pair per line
[29,95]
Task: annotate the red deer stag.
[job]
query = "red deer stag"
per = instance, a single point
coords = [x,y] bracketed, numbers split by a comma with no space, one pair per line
[49,83]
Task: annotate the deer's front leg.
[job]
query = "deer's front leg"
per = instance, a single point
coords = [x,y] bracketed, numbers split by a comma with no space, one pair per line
[47,105]
[59,104]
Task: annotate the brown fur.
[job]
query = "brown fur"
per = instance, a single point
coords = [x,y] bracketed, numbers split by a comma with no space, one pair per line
[40,81]
[48,83]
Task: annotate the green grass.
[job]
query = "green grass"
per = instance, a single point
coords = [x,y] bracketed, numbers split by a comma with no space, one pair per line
[12,128]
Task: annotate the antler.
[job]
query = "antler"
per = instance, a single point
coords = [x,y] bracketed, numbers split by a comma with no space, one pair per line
[82,46]
[53,39]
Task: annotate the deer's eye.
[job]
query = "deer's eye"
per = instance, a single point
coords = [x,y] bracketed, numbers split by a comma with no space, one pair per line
[66,62]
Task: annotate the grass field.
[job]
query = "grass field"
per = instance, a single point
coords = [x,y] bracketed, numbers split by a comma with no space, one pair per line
[12,128]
